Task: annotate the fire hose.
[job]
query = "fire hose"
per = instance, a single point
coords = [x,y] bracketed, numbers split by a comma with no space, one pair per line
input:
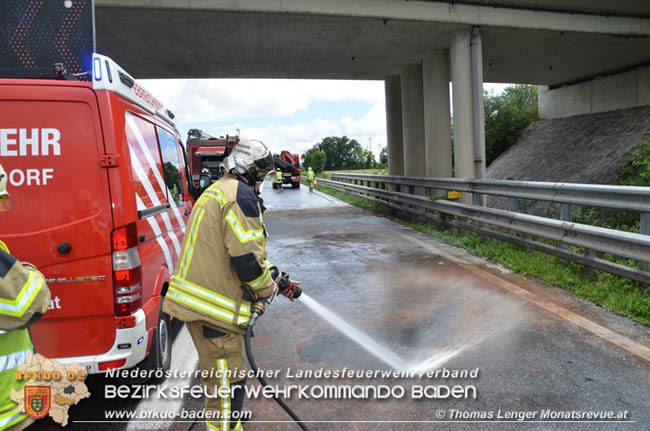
[257,309]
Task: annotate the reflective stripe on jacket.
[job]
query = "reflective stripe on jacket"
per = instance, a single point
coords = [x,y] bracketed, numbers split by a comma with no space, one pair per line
[223,253]
[24,298]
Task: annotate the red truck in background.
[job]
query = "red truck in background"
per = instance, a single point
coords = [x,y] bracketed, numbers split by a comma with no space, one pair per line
[289,164]
[208,152]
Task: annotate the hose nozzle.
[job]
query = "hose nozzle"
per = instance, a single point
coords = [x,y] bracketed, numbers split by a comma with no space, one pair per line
[258,308]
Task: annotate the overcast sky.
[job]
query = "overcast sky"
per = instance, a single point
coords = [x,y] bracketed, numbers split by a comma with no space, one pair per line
[284,114]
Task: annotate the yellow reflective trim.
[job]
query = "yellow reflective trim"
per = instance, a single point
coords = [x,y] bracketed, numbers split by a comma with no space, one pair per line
[260,281]
[4,247]
[11,418]
[210,426]
[208,294]
[218,195]
[243,235]
[225,401]
[7,407]
[28,292]
[189,246]
[238,427]
[200,305]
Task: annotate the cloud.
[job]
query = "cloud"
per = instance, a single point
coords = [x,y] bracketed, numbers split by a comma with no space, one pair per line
[297,138]
[219,100]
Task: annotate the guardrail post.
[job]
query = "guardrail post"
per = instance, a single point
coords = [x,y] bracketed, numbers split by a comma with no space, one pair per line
[565,215]
[427,193]
[644,229]
[592,253]
[513,206]
[398,189]
[411,216]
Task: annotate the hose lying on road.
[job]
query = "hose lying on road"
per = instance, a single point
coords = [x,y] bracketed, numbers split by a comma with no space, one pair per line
[262,380]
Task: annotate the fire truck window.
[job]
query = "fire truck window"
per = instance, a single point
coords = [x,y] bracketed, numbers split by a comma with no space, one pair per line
[171,165]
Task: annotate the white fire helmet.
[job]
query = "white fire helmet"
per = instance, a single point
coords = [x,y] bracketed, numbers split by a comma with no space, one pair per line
[5,200]
[251,159]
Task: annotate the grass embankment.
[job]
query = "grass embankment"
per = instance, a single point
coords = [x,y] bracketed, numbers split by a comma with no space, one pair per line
[617,294]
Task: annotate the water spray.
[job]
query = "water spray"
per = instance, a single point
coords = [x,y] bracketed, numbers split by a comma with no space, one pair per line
[257,309]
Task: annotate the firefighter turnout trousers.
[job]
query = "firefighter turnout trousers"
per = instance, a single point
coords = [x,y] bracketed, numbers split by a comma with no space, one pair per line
[222,358]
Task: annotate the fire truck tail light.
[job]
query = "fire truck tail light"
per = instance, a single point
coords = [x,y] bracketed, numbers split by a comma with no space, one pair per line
[127,270]
[128,289]
[103,366]
[125,237]
[128,299]
[126,259]
[126,322]
[128,308]
[127,278]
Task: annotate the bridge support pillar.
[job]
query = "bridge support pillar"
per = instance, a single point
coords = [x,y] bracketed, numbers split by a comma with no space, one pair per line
[393,94]
[413,121]
[467,83]
[437,119]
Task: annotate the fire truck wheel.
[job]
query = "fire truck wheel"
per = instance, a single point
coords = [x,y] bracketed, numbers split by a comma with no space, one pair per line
[160,354]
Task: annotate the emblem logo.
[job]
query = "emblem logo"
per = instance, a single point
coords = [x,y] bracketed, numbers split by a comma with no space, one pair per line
[37,401]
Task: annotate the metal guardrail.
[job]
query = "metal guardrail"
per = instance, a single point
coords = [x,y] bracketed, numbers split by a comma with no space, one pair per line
[617,197]
[518,228]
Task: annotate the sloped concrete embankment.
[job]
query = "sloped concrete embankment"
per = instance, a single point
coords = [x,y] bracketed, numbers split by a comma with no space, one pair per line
[581,149]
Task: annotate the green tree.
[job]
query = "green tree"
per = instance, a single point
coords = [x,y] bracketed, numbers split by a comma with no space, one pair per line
[383,156]
[340,153]
[506,115]
[318,161]
[368,160]
[307,158]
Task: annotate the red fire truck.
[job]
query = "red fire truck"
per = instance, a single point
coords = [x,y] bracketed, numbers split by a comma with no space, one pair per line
[208,152]
[99,180]
[289,164]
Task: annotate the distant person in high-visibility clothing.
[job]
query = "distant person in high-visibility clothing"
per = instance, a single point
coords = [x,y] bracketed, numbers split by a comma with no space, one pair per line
[278,179]
[24,298]
[311,177]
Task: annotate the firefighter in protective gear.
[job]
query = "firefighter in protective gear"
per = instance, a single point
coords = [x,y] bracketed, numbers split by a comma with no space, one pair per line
[24,298]
[221,271]
[278,179]
[310,179]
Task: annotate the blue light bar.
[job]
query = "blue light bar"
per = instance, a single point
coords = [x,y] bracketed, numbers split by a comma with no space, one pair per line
[97,69]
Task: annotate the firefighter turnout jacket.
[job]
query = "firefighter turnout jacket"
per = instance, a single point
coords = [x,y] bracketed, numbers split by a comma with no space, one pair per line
[310,175]
[223,266]
[24,298]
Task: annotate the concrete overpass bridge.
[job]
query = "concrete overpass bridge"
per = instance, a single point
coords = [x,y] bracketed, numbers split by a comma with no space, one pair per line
[589,56]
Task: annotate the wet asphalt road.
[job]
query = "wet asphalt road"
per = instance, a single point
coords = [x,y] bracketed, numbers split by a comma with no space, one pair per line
[414,295]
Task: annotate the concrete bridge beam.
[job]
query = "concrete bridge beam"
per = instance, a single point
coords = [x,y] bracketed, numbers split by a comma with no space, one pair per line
[413,121]
[437,120]
[393,95]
